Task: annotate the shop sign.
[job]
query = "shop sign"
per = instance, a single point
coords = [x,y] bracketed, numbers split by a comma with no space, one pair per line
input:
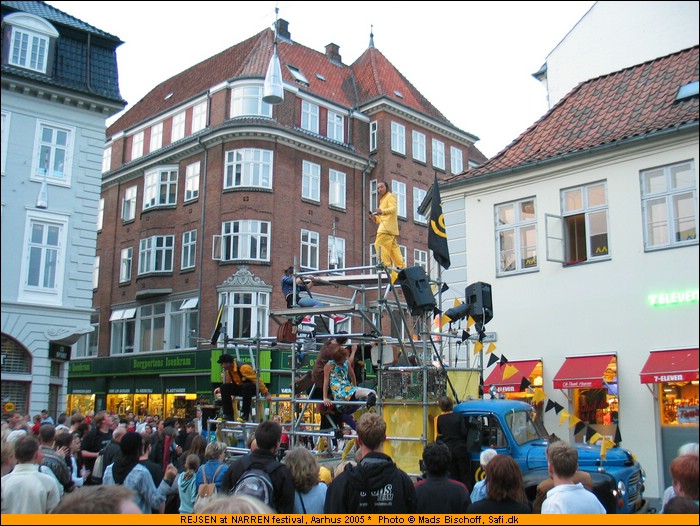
[489,337]
[82,391]
[80,367]
[59,352]
[144,390]
[171,390]
[118,390]
[505,388]
[174,362]
[579,384]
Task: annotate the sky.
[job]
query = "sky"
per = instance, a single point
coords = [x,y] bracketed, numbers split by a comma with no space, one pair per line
[472,60]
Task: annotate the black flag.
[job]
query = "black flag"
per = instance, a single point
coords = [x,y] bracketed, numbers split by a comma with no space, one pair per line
[217,326]
[437,234]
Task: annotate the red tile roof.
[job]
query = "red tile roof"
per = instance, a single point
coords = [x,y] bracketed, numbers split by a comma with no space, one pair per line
[370,77]
[633,102]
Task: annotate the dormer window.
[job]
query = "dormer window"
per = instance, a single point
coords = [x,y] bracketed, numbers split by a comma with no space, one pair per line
[30,41]
[298,75]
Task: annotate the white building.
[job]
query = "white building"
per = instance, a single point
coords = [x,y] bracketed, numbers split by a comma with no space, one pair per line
[59,85]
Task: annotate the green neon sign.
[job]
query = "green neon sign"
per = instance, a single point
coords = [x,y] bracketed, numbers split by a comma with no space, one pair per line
[676,297]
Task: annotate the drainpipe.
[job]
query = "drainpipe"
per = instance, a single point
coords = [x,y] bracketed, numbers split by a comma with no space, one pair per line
[201,229]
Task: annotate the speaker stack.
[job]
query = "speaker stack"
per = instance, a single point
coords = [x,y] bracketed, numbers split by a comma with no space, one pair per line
[478,297]
[416,289]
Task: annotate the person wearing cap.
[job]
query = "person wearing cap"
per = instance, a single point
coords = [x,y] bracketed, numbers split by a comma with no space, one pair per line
[185,435]
[239,379]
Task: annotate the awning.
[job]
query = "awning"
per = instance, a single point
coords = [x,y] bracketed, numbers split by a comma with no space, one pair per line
[582,371]
[680,365]
[512,383]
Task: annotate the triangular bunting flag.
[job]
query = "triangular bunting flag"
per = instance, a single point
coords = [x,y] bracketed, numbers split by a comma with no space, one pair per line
[550,405]
[444,288]
[490,348]
[618,437]
[509,371]
[503,360]
[470,322]
[478,346]
[436,311]
[574,420]
[538,396]
[563,415]
[558,407]
[524,384]
[595,438]
[580,426]
[465,336]
[492,359]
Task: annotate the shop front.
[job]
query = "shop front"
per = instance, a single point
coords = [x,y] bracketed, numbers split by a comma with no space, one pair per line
[591,381]
[517,380]
[672,378]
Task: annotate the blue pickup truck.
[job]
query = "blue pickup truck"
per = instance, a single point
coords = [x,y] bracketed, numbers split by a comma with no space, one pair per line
[510,427]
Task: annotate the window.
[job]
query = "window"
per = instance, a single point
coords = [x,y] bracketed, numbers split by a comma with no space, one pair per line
[247,240]
[438,154]
[336,252]
[669,203]
[309,117]
[581,234]
[420,259]
[373,196]
[86,346]
[178,131]
[248,167]
[373,259]
[199,116]
[298,75]
[43,258]
[404,253]
[418,146]
[399,190]
[398,138]
[418,196]
[189,249]
[336,127]
[125,265]
[309,250]
[516,236]
[160,187]
[96,272]
[184,322]
[156,254]
[152,327]
[456,162]
[310,181]
[249,313]
[106,159]
[100,213]
[247,100]
[156,137]
[336,188]
[129,204]
[123,332]
[137,145]
[29,49]
[372,136]
[192,181]
[53,152]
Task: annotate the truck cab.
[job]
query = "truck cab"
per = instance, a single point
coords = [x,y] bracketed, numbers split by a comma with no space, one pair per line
[511,428]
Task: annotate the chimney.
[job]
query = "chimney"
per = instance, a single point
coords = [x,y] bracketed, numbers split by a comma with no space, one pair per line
[333,52]
[283,29]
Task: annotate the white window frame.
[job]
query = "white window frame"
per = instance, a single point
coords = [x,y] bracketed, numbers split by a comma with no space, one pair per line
[51,292]
[96,272]
[336,126]
[246,239]
[54,151]
[178,130]
[248,168]
[246,313]
[309,116]
[126,258]
[189,250]
[418,145]
[309,249]
[152,327]
[418,197]
[337,188]
[373,136]
[107,159]
[192,181]
[123,337]
[129,203]
[438,154]
[247,101]
[29,48]
[156,141]
[398,138]
[398,188]
[100,213]
[199,116]
[669,200]
[373,195]
[456,160]
[156,254]
[137,145]
[420,258]
[336,253]
[516,237]
[404,252]
[311,181]
[160,187]
[182,323]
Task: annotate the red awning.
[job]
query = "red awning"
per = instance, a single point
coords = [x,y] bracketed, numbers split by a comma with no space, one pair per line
[512,384]
[582,371]
[679,365]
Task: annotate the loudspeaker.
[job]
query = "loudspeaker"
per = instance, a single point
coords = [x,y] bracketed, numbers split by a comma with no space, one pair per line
[416,290]
[478,297]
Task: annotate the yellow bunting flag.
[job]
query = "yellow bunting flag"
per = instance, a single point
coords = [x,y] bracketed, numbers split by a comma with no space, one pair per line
[478,346]
[509,371]
[563,416]
[574,420]
[490,348]
[470,322]
[538,396]
[595,438]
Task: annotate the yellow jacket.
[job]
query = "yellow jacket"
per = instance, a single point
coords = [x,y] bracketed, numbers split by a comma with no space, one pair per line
[243,372]
[389,221]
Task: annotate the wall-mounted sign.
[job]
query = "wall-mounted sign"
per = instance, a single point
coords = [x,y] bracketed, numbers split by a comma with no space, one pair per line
[675,297]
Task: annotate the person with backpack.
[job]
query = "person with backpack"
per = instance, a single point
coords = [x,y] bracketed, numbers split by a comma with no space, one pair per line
[260,474]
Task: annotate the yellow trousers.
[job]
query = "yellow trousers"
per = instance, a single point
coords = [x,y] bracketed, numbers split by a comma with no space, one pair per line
[389,253]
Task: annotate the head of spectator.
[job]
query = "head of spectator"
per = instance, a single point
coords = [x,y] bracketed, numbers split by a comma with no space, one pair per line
[445,404]
[562,461]
[83,429]
[64,439]
[14,435]
[61,420]
[505,480]
[342,465]
[15,420]
[371,433]
[118,433]
[303,467]
[486,456]
[679,504]
[198,446]
[224,504]
[76,419]
[99,500]
[192,463]
[684,470]
[27,450]
[103,421]
[268,435]
[8,457]
[47,434]
[437,459]
[215,451]
[691,448]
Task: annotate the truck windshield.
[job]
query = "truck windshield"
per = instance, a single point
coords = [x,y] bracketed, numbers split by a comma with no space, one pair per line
[524,428]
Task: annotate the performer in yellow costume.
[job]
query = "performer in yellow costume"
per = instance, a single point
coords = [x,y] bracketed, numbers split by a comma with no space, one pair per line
[386,216]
